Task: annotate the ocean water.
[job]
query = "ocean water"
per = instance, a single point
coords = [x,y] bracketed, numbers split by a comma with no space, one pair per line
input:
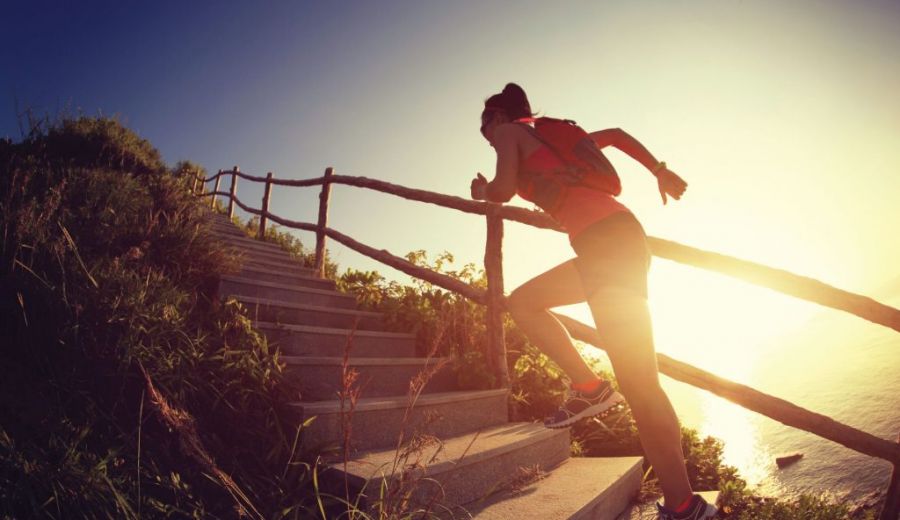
[837,365]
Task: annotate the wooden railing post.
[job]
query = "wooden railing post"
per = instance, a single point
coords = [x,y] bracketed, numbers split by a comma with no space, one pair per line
[265,207]
[212,204]
[233,192]
[493,266]
[891,510]
[194,185]
[324,195]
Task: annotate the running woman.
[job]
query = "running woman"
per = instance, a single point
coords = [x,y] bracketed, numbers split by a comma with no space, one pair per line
[609,272]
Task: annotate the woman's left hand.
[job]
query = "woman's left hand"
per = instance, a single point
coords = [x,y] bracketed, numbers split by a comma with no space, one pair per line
[670,183]
[479,187]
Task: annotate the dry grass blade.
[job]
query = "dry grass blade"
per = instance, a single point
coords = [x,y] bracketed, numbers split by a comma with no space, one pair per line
[71,243]
[181,422]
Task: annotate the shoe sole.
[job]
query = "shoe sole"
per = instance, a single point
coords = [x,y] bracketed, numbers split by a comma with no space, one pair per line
[591,411]
[709,514]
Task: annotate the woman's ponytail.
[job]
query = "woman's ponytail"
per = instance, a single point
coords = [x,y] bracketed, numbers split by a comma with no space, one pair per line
[516,101]
[512,101]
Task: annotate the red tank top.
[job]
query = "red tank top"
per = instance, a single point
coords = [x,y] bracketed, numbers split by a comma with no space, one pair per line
[581,206]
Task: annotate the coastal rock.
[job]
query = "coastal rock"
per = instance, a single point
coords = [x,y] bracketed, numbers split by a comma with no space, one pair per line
[786,460]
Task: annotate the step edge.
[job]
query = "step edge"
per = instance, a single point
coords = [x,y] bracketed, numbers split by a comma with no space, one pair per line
[286,262]
[332,330]
[586,501]
[539,434]
[301,306]
[276,285]
[307,361]
[237,242]
[369,404]
[308,272]
[238,239]
[269,271]
[635,467]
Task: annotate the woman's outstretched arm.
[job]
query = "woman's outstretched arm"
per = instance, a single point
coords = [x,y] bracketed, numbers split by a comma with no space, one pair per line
[669,182]
[618,138]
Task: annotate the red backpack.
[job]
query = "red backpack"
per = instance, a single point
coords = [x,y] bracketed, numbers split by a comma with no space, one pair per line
[587,166]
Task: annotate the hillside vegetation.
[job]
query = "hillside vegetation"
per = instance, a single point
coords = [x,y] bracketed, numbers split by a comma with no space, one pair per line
[126,389]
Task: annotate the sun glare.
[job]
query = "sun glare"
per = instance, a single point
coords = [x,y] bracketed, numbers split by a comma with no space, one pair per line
[742,448]
[717,323]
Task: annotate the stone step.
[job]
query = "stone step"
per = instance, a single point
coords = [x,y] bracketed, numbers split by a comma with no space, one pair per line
[237,237]
[277,311]
[591,488]
[303,340]
[269,256]
[242,241]
[221,224]
[236,240]
[456,470]
[647,509]
[227,230]
[320,378]
[212,214]
[378,421]
[240,286]
[286,265]
[262,274]
[219,217]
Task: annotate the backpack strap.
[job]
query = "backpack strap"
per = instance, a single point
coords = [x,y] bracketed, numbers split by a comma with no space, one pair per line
[533,131]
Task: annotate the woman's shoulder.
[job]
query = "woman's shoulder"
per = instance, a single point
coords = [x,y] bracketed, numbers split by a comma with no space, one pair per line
[511,129]
[521,133]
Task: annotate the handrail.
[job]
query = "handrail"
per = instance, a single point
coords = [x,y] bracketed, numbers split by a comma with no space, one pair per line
[779,280]
[401,264]
[798,286]
[781,410]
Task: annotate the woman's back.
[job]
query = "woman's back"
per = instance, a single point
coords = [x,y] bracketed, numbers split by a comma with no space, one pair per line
[581,206]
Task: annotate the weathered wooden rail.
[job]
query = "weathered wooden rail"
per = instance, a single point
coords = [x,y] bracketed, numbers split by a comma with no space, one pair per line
[783,281]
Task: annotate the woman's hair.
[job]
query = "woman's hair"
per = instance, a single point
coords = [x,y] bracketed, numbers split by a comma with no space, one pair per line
[512,101]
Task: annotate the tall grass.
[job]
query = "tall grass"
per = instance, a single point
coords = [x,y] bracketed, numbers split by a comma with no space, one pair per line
[128,389]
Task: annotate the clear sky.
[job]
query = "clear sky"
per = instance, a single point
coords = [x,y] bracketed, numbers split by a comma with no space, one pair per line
[784,117]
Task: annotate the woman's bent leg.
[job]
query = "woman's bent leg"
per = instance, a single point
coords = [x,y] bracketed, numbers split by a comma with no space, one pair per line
[529,306]
[624,324]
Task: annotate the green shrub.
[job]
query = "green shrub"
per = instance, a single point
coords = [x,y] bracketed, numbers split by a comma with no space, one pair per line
[445,323]
[87,142]
[806,507]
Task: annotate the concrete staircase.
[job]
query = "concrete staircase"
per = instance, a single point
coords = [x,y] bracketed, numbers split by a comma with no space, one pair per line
[477,462]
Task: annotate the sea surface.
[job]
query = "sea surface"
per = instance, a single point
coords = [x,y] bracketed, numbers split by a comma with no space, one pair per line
[835,364]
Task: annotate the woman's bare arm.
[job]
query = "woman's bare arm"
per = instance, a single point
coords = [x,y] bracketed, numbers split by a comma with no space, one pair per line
[503,186]
[669,182]
[622,140]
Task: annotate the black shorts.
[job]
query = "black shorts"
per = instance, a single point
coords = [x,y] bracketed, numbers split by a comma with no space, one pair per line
[613,252]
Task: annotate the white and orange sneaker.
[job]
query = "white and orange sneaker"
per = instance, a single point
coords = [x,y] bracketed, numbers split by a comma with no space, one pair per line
[698,510]
[580,405]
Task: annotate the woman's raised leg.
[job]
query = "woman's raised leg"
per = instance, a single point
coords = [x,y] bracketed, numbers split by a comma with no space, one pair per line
[529,306]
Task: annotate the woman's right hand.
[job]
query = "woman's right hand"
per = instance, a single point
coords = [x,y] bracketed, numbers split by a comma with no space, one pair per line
[479,187]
